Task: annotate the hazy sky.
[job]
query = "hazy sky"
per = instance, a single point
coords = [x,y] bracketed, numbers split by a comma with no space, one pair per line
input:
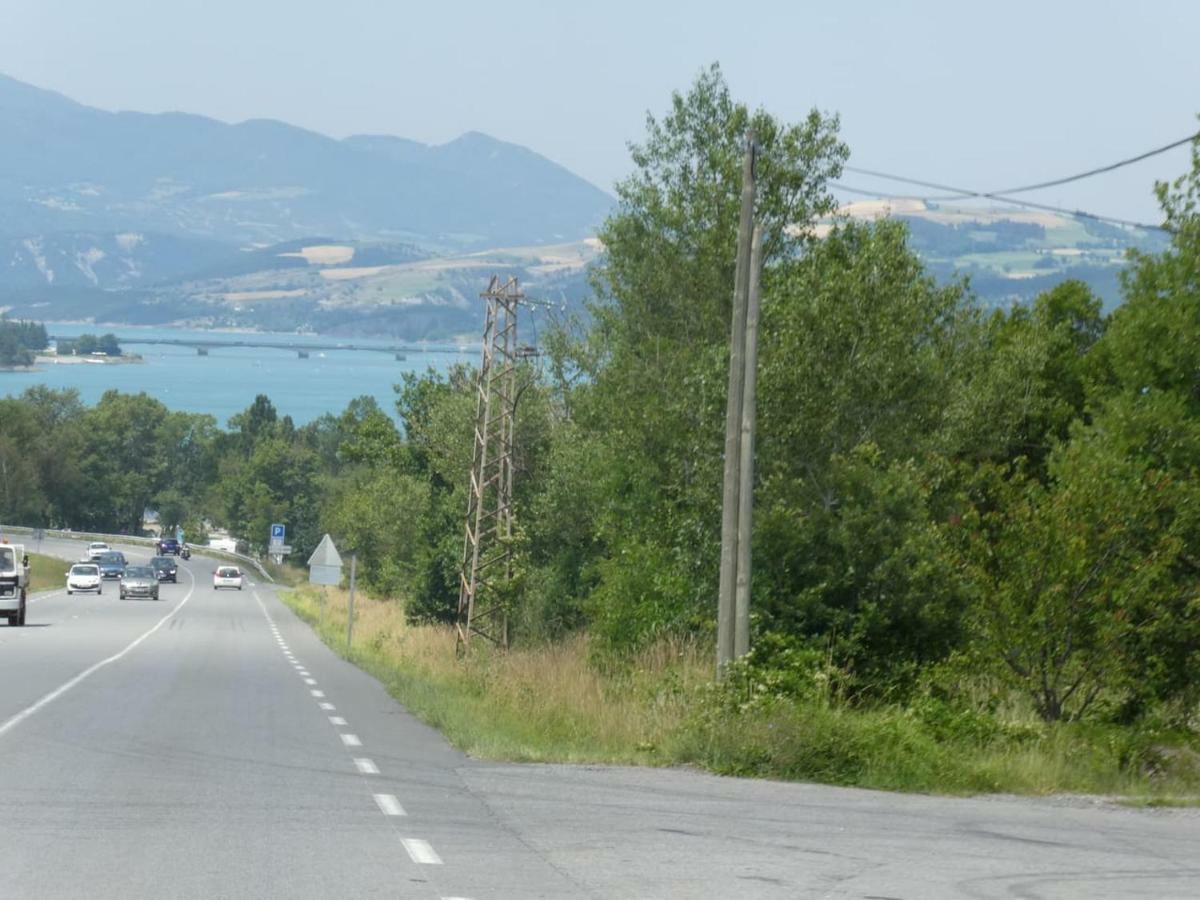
[981,96]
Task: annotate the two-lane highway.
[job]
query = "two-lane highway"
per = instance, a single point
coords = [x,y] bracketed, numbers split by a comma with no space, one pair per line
[191,747]
[208,745]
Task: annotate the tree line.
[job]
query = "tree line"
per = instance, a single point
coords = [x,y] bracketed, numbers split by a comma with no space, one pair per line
[950,499]
[20,340]
[87,344]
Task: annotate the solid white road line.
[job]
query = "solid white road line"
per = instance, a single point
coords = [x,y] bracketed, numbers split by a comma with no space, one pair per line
[351,740]
[421,852]
[86,673]
[389,805]
[365,766]
[336,720]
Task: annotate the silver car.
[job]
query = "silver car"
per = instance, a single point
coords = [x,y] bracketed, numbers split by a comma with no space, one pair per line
[139,581]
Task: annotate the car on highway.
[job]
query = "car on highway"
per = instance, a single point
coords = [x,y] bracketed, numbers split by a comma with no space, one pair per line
[165,569]
[227,577]
[168,546]
[139,581]
[14,582]
[84,577]
[112,564]
[97,549]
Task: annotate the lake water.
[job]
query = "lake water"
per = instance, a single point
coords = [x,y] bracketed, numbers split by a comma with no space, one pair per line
[226,381]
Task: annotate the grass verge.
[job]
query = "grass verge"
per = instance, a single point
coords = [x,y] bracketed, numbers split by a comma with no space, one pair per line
[554,704]
[46,572]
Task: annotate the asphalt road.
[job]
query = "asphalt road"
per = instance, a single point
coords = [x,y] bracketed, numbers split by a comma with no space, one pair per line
[208,745]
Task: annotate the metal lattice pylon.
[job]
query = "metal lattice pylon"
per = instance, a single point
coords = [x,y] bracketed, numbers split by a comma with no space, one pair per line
[487,544]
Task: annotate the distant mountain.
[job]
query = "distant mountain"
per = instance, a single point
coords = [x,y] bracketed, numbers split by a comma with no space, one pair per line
[69,168]
[105,260]
[318,285]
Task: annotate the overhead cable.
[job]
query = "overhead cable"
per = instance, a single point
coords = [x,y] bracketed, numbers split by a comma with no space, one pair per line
[1002,196]
[1029,187]
[960,194]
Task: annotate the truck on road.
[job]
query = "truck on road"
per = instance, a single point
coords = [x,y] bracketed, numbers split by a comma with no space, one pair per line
[14,582]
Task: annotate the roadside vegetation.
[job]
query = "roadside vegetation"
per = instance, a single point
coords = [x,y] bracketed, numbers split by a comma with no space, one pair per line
[974,533]
[553,703]
[46,572]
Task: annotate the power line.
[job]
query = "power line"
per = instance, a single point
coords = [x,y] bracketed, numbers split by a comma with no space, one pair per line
[1102,169]
[1028,204]
[1002,195]
[1029,187]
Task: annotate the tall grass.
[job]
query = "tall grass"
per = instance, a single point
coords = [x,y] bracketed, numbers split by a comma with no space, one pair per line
[555,703]
[545,703]
[46,572]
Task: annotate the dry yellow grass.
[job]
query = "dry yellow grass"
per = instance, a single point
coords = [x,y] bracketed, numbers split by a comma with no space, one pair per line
[239,296]
[554,703]
[323,254]
[351,273]
[547,703]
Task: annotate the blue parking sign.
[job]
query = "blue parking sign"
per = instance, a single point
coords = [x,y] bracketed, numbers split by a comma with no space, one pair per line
[277,532]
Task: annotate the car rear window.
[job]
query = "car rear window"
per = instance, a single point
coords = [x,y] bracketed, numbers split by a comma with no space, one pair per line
[228,573]
[84,570]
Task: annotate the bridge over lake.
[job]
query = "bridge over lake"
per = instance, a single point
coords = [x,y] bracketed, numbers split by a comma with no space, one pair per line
[204,344]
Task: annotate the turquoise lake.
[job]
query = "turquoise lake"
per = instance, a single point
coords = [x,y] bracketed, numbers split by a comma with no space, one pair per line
[226,380]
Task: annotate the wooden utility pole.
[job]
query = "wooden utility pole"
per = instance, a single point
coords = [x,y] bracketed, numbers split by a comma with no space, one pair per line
[741,631]
[730,504]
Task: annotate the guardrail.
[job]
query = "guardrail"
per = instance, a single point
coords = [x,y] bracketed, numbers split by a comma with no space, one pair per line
[133,539]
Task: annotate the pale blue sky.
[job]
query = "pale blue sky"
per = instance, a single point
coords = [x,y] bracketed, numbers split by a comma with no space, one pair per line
[986,96]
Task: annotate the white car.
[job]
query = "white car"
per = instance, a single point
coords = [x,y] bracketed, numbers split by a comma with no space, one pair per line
[227,577]
[84,577]
[97,549]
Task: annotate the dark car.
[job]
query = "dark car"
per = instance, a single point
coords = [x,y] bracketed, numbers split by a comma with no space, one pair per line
[139,581]
[112,564]
[165,569]
[168,546]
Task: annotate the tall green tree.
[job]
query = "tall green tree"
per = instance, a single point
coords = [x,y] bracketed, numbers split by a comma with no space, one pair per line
[654,391]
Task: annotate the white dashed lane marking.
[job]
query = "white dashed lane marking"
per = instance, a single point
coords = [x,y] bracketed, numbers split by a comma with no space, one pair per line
[389,805]
[421,852]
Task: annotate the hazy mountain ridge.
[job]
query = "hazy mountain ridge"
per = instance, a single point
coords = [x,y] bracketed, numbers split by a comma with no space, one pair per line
[69,167]
[317,285]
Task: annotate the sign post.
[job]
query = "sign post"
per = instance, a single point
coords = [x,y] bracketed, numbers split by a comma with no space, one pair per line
[350,611]
[325,568]
[276,547]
